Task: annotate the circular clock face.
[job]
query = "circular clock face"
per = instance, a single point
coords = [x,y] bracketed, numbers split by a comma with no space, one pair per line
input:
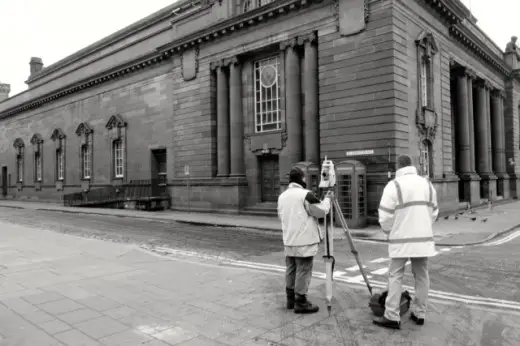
[268,76]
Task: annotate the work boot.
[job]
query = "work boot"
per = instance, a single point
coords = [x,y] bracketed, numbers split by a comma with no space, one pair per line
[303,306]
[385,322]
[417,320]
[290,298]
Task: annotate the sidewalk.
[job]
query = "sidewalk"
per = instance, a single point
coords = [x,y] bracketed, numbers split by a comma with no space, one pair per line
[467,229]
[64,290]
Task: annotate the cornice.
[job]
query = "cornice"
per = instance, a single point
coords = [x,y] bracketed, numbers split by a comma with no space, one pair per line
[453,11]
[471,42]
[163,53]
[240,22]
[107,76]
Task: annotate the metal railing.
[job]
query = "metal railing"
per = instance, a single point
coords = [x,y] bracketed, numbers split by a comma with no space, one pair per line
[135,190]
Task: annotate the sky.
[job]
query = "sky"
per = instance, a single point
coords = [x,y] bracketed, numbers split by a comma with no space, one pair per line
[54,29]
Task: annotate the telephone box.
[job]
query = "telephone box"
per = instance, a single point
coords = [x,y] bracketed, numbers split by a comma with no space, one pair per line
[312,174]
[352,192]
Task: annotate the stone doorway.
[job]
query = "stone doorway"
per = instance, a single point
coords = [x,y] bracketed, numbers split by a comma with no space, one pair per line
[269,177]
[4,181]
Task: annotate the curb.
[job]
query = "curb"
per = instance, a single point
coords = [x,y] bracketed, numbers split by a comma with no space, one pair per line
[219,224]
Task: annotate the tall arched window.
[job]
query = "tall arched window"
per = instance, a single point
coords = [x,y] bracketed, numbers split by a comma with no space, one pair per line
[86,154]
[116,127]
[19,146]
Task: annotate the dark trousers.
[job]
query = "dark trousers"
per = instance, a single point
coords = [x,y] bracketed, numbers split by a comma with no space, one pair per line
[298,273]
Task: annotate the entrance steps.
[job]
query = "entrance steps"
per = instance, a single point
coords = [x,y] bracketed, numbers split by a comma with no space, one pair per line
[261,209]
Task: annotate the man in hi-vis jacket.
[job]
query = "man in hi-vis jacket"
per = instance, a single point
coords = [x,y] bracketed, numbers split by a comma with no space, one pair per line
[298,209]
[407,212]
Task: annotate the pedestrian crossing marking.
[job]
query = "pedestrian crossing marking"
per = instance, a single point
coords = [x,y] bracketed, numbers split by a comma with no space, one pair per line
[380,260]
[380,271]
[354,268]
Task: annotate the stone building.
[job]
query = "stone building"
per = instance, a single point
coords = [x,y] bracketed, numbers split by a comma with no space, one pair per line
[237,91]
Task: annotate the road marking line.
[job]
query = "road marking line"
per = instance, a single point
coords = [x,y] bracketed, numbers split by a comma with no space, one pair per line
[339,273]
[458,247]
[380,260]
[381,271]
[354,268]
[475,300]
[446,249]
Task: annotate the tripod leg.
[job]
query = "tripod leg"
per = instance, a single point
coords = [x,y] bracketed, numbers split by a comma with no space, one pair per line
[351,243]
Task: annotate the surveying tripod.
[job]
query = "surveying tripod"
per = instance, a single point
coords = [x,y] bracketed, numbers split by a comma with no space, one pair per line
[328,183]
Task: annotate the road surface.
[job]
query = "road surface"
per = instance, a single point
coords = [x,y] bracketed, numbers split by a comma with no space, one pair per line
[485,271]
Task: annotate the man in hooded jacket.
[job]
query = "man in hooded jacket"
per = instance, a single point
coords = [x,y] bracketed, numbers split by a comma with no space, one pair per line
[298,210]
[407,212]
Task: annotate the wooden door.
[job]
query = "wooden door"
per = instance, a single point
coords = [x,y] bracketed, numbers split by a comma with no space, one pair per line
[159,173]
[4,181]
[270,177]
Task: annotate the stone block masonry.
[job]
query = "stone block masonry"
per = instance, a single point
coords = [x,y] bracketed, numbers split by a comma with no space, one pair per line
[142,101]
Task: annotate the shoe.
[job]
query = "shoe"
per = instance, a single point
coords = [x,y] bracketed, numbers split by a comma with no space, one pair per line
[417,320]
[303,306]
[290,298]
[385,322]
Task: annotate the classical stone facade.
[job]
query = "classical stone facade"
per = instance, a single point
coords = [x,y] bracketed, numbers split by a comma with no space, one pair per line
[235,92]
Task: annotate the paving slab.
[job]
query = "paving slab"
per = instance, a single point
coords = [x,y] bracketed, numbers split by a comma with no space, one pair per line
[207,304]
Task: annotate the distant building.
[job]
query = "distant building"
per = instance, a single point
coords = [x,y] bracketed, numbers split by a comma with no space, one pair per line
[236,92]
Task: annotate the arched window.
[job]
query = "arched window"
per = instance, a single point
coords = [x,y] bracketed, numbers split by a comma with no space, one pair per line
[59,142]
[116,127]
[19,146]
[426,159]
[37,142]
[86,154]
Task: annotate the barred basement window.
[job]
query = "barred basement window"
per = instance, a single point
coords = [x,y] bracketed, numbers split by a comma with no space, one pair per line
[267,95]
[118,158]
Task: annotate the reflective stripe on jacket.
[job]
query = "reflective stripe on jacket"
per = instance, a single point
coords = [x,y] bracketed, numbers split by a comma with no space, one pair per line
[407,212]
[298,218]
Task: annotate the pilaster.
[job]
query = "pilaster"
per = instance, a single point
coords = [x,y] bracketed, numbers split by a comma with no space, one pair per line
[222,120]
[483,143]
[310,86]
[293,151]
[236,130]
[499,144]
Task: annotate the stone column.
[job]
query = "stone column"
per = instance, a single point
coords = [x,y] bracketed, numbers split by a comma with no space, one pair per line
[471,119]
[222,121]
[463,129]
[236,118]
[489,130]
[482,122]
[292,153]
[499,144]
[310,86]
[466,166]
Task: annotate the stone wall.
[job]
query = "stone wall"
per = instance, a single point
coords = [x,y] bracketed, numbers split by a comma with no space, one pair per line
[143,101]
